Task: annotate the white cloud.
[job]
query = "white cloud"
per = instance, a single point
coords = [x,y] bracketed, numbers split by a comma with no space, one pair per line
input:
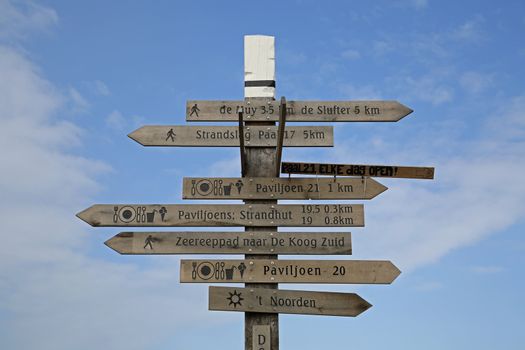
[79,103]
[476,192]
[487,270]
[474,82]
[18,21]
[383,47]
[101,88]
[361,92]
[50,286]
[350,54]
[116,121]
[419,4]
[429,88]
[471,30]
[429,286]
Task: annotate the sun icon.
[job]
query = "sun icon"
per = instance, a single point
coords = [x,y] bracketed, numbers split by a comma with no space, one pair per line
[235,299]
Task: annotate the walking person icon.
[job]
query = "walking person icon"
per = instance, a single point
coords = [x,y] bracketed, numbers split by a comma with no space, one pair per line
[148,242]
[195,110]
[170,135]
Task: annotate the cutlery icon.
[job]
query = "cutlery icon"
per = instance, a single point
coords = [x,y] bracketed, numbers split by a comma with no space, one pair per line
[194,271]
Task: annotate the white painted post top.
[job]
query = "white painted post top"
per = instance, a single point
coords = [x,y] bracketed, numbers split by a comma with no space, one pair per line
[259,66]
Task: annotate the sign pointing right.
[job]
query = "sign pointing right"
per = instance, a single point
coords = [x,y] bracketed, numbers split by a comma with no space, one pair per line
[286,301]
[298,111]
[405,172]
[288,271]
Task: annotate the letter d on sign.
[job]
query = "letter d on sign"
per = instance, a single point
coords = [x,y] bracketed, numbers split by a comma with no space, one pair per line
[261,337]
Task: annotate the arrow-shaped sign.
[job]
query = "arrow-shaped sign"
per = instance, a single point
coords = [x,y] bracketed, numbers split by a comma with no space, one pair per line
[298,111]
[171,215]
[253,242]
[286,301]
[228,136]
[406,172]
[288,271]
[281,188]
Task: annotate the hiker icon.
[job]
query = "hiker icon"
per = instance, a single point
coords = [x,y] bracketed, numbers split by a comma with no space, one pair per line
[195,110]
[148,242]
[170,135]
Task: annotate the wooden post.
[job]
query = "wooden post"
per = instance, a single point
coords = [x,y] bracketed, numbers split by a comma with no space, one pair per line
[259,82]
[280,136]
[241,141]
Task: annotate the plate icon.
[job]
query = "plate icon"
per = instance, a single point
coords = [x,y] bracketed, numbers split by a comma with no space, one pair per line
[127,214]
[204,187]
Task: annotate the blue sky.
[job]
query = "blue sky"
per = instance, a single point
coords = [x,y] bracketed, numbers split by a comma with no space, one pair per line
[77,77]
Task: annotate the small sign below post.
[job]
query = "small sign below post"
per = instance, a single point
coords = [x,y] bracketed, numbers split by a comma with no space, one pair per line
[261,337]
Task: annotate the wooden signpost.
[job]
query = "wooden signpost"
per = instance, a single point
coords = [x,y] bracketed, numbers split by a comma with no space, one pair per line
[288,271]
[228,136]
[298,111]
[358,170]
[261,143]
[206,242]
[172,215]
[286,301]
[281,188]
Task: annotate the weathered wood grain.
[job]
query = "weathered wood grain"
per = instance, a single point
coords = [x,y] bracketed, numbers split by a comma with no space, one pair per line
[281,188]
[172,215]
[229,136]
[286,301]
[288,271]
[310,243]
[259,64]
[298,111]
[262,337]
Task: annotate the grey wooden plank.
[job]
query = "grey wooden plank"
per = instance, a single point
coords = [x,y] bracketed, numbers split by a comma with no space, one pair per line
[172,215]
[286,301]
[229,136]
[281,188]
[298,111]
[288,271]
[206,242]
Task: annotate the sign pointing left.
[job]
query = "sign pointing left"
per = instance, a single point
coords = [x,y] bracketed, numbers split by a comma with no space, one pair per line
[228,136]
[171,215]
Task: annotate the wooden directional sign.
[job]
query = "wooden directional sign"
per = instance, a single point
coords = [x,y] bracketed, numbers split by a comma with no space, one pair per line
[228,136]
[281,188]
[298,111]
[358,170]
[155,215]
[258,242]
[288,271]
[286,301]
